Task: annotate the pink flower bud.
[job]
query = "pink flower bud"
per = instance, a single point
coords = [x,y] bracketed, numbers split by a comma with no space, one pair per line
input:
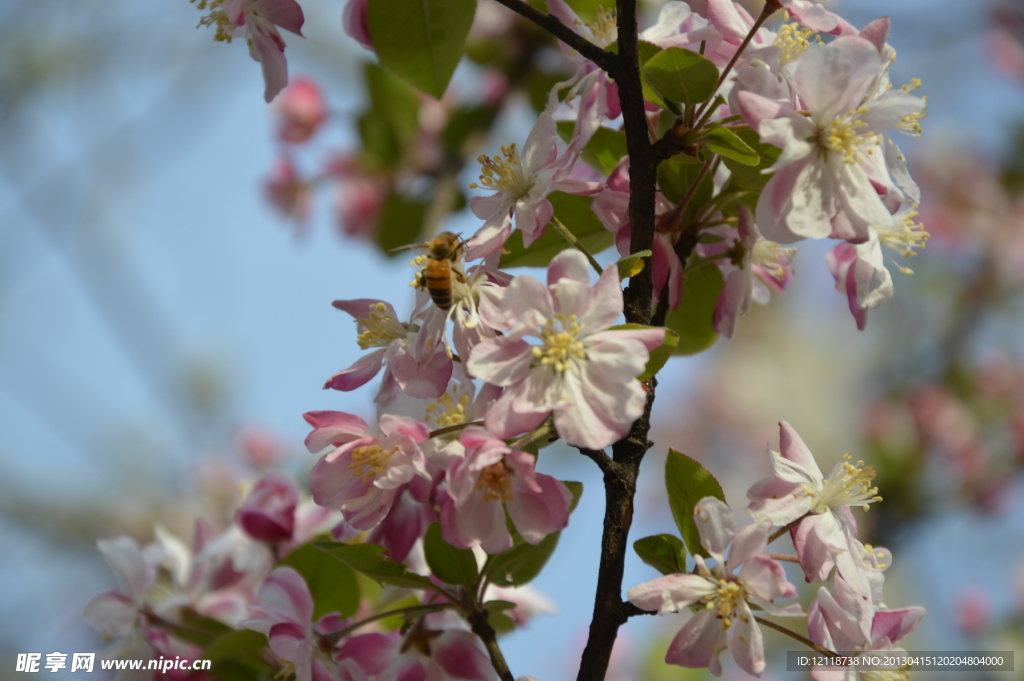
[268,513]
[286,191]
[302,110]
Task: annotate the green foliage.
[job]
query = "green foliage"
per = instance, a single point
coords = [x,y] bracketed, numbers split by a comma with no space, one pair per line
[675,177]
[687,483]
[236,644]
[729,145]
[663,552]
[574,212]
[372,561]
[604,150]
[632,264]
[421,40]
[659,355]
[747,176]
[694,317]
[681,75]
[399,223]
[449,564]
[390,125]
[332,585]
[524,561]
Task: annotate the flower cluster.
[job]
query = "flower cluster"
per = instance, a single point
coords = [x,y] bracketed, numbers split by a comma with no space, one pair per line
[847,614]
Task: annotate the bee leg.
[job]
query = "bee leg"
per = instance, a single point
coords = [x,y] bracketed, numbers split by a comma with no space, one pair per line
[459,275]
[421,280]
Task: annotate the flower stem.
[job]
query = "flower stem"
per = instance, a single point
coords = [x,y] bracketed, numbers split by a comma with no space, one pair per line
[769,8]
[485,632]
[571,238]
[792,634]
[783,530]
[411,610]
[783,557]
[452,429]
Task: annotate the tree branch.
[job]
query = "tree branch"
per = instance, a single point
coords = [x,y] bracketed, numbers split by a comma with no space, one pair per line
[553,25]
[485,632]
[620,481]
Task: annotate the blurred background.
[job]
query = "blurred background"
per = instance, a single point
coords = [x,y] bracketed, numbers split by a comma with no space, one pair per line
[167,266]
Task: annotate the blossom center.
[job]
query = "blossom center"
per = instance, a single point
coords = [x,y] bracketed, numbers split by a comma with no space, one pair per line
[495,482]
[369,461]
[846,485]
[903,235]
[773,259]
[216,18]
[604,29]
[841,135]
[447,410]
[504,173]
[793,41]
[380,328]
[725,599]
[562,346]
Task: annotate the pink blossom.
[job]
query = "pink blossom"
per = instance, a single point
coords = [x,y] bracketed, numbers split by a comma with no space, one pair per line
[117,614]
[268,513]
[860,270]
[612,207]
[353,18]
[522,184]
[582,371]
[797,489]
[416,359]
[257,21]
[423,654]
[283,614]
[288,193]
[840,620]
[301,109]
[725,621]
[825,180]
[493,479]
[363,474]
[760,263]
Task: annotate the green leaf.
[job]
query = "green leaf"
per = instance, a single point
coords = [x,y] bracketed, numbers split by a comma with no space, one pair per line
[676,176]
[574,212]
[501,623]
[370,560]
[752,177]
[392,122]
[420,40]
[332,585]
[499,606]
[449,564]
[687,483]
[663,552]
[604,150]
[236,644]
[463,123]
[632,264]
[694,317]
[399,223]
[681,75]
[729,145]
[524,561]
[659,355]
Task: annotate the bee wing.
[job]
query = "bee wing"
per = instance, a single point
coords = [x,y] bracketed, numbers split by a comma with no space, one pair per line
[407,247]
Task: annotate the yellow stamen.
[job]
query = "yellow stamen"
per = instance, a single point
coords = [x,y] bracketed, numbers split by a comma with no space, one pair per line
[561,344]
[380,328]
[216,18]
[369,461]
[495,482]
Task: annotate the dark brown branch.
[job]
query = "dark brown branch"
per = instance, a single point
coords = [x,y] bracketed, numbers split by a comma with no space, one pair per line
[553,25]
[602,460]
[485,632]
[610,612]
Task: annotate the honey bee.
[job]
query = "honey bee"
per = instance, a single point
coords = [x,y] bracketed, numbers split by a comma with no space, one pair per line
[441,264]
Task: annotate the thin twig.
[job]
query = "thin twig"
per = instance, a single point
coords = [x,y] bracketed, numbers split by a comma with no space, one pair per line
[783,530]
[485,632]
[553,25]
[336,636]
[783,557]
[451,429]
[571,238]
[792,634]
[769,8]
